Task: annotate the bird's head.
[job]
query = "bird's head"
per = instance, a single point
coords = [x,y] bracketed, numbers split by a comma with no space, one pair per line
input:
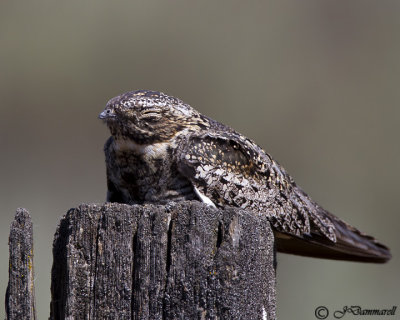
[149,116]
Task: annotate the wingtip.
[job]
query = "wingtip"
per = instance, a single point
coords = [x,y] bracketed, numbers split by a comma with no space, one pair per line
[316,246]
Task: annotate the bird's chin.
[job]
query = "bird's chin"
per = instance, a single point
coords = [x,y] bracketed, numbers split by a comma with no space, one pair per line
[109,121]
[114,128]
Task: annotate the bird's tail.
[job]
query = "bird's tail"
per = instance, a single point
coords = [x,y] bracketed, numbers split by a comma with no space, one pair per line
[343,243]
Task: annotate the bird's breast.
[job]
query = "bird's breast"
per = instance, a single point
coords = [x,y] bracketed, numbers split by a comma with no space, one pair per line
[147,172]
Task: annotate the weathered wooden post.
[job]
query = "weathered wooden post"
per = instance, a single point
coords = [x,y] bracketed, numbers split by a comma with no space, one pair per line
[177,261]
[182,260]
[20,295]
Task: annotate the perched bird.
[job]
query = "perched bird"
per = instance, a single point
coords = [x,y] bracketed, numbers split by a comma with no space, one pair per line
[161,150]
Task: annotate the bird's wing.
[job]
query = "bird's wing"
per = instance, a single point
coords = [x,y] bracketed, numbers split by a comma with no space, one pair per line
[350,244]
[228,169]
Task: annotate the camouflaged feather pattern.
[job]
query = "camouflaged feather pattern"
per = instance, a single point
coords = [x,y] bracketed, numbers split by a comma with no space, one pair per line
[161,150]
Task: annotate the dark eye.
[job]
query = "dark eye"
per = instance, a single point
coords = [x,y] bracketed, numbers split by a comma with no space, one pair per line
[151,117]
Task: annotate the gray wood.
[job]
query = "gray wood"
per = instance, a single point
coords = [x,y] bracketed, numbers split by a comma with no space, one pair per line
[20,295]
[182,260]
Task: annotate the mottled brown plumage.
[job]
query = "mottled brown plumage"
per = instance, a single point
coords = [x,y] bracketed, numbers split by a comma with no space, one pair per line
[161,150]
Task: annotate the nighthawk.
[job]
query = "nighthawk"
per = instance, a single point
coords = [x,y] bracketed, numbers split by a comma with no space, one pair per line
[161,150]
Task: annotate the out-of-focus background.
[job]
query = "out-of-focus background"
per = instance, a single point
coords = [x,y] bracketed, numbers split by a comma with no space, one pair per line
[315,83]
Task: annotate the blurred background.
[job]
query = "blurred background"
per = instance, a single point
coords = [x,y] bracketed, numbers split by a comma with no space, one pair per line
[315,83]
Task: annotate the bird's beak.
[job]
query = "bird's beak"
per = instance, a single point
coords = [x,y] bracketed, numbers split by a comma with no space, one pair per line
[103,115]
[107,114]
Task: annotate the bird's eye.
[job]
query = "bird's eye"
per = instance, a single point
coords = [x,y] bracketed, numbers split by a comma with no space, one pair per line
[108,111]
[151,116]
[151,119]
